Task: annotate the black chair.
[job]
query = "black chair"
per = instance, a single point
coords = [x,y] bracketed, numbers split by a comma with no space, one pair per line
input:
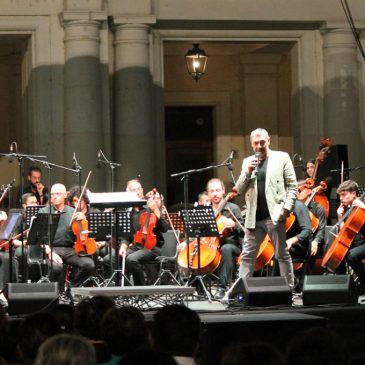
[168,267]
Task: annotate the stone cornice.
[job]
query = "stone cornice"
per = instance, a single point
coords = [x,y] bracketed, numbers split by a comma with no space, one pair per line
[98,15]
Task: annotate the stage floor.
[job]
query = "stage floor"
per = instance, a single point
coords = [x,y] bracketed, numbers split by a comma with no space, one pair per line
[223,324]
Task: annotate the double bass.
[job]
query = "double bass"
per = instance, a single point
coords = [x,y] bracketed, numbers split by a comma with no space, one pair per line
[210,255]
[324,150]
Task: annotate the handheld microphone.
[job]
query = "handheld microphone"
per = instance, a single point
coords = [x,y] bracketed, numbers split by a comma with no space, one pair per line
[257,157]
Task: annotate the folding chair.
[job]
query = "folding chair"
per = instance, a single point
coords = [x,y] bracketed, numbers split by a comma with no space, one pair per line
[168,266]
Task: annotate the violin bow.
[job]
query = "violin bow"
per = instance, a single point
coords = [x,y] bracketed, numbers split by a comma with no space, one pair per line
[235,218]
[81,194]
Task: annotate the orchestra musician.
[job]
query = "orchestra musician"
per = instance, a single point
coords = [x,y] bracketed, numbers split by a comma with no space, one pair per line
[64,239]
[35,187]
[300,233]
[319,213]
[136,255]
[348,195]
[28,200]
[74,197]
[4,264]
[309,171]
[203,198]
[230,243]
[268,184]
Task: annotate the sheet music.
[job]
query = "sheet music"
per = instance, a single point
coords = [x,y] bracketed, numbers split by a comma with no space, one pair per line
[115,200]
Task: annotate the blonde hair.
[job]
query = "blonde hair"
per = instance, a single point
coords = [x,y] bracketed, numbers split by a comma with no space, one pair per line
[66,349]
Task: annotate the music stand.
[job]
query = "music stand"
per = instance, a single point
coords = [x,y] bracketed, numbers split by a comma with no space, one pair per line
[101,227]
[31,212]
[200,222]
[38,235]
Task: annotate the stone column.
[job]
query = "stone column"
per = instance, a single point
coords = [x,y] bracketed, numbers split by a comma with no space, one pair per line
[83,99]
[135,126]
[341,93]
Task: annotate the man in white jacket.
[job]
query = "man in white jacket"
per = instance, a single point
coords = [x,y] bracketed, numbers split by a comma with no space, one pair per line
[268,184]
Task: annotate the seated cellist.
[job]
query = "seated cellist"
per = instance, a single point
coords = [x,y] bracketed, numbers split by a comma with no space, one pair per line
[348,195]
[230,243]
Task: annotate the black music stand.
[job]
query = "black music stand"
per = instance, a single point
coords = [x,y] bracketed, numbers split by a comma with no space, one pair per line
[103,226]
[38,237]
[200,222]
[31,212]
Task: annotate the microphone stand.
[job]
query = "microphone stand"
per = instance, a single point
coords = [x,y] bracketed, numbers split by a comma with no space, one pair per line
[185,178]
[20,157]
[230,169]
[112,166]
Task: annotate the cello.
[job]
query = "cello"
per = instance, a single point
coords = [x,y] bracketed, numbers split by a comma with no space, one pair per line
[267,250]
[210,256]
[355,219]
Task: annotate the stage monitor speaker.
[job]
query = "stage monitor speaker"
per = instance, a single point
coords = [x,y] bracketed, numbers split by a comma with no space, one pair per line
[25,298]
[333,161]
[329,289]
[261,292]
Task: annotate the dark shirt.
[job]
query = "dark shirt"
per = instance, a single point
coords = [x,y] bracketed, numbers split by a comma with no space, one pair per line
[302,228]
[64,236]
[236,233]
[262,211]
[28,190]
[318,211]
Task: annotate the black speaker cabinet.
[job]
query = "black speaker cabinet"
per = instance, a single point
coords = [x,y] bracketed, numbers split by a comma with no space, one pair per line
[261,292]
[329,289]
[30,297]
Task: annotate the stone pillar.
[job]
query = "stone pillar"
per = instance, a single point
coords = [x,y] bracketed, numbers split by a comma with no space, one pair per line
[341,93]
[135,127]
[83,99]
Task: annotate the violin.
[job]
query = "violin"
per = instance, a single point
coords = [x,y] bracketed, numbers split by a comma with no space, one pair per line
[83,242]
[147,220]
[80,228]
